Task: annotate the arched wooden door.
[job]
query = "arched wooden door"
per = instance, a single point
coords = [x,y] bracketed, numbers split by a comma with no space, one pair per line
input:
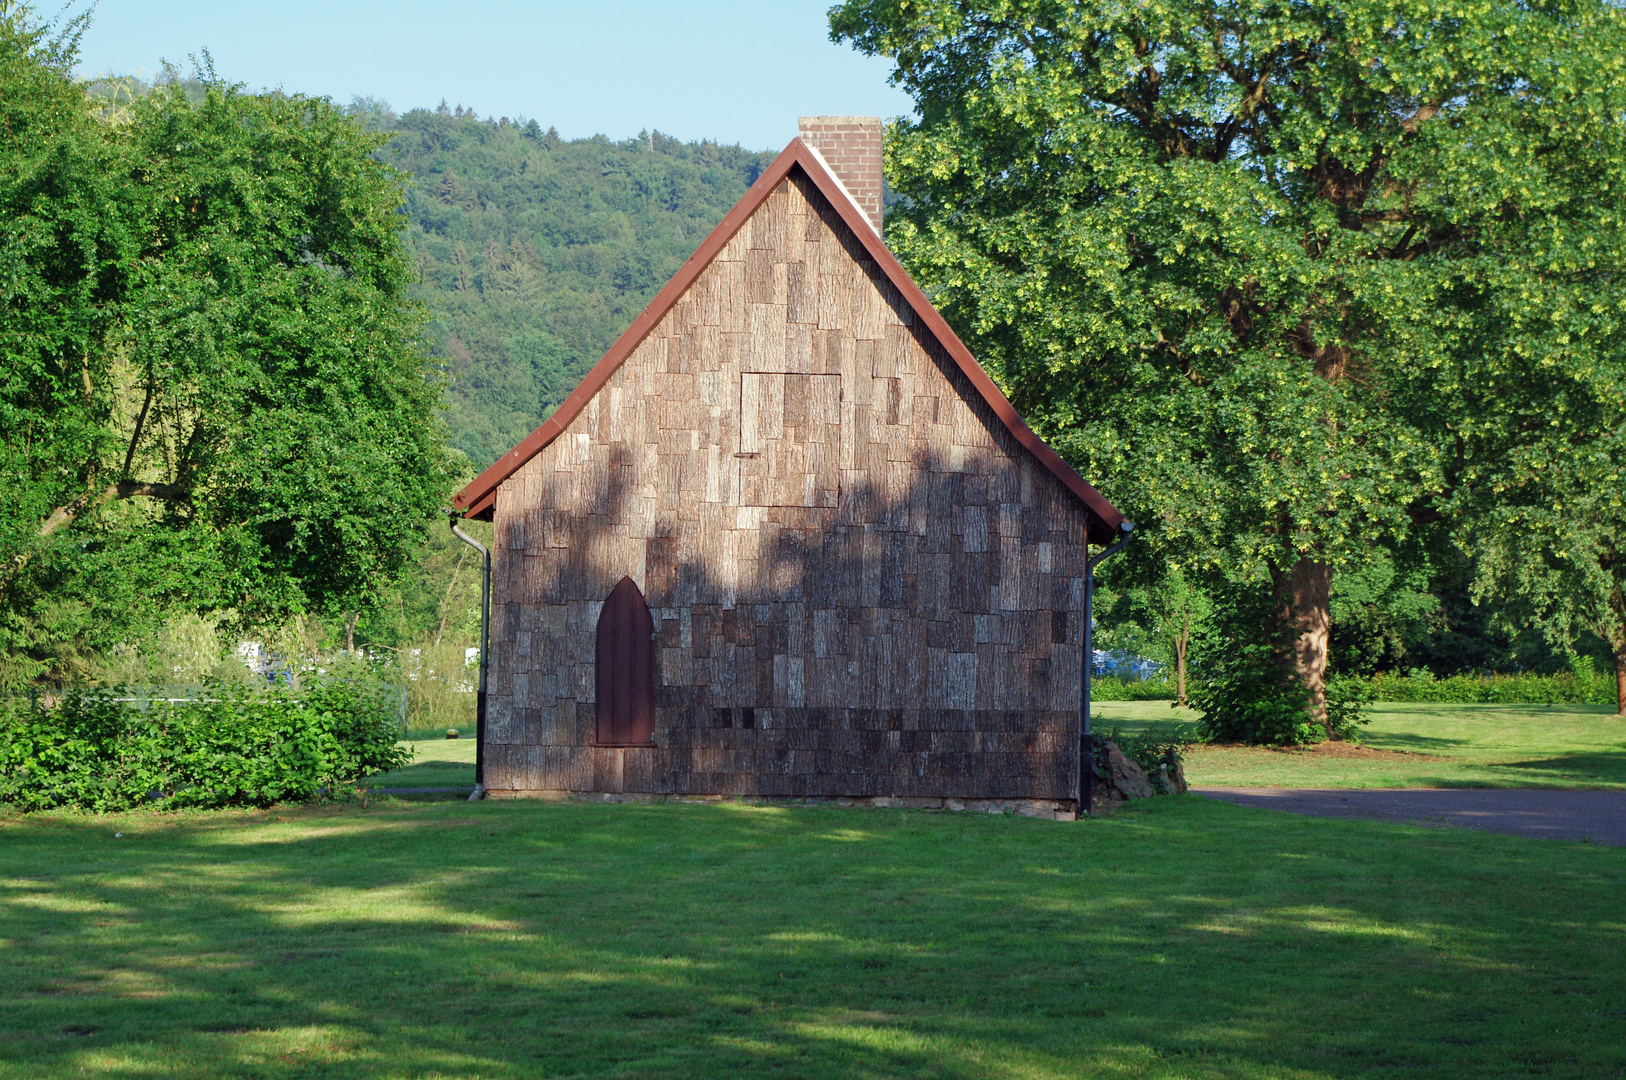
[626,668]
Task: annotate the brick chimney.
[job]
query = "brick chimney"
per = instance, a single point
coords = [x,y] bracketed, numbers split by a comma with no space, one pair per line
[851,146]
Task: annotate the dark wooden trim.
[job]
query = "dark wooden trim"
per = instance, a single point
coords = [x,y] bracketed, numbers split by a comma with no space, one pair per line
[480,494]
[482,508]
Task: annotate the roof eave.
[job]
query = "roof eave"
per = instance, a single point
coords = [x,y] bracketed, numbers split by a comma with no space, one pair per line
[479,496]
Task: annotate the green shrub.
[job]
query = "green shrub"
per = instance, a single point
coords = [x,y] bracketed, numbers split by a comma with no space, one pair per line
[1247,695]
[93,751]
[1265,705]
[1423,687]
[1112,688]
[1347,699]
[1244,683]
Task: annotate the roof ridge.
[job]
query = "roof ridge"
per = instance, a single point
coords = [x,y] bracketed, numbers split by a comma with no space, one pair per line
[481,493]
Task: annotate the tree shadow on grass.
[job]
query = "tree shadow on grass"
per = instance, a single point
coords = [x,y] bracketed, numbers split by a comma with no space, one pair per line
[1482,710]
[729,940]
[1419,744]
[1604,770]
[1609,762]
[1569,770]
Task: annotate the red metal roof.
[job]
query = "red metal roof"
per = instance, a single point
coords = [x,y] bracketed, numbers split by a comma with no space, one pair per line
[478,498]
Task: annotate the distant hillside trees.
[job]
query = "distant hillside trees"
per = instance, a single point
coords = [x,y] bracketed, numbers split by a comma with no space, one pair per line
[536,252]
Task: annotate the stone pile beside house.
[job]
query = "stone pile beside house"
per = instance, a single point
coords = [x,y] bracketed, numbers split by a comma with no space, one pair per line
[1125,779]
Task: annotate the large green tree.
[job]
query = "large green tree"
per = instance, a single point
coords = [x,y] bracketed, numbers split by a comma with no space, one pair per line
[1547,516]
[1283,276]
[213,386]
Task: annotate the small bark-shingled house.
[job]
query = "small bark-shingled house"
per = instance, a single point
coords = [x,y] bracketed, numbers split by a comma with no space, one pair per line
[788,539]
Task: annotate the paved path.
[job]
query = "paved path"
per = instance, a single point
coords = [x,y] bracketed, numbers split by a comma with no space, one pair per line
[1598,816]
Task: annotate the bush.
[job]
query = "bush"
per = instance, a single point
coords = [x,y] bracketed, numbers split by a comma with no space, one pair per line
[1247,695]
[1243,687]
[1112,688]
[1347,699]
[440,686]
[93,751]
[1524,689]
[1264,705]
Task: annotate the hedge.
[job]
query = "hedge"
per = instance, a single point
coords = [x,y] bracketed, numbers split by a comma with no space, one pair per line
[1563,689]
[100,751]
[1566,689]
[1112,688]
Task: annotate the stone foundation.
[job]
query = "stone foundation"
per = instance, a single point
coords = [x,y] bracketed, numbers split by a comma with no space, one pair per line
[1049,809]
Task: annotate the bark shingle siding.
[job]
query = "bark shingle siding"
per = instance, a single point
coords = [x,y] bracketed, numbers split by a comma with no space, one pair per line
[862,583]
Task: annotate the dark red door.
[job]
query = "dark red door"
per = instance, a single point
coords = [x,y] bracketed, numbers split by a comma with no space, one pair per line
[626,668]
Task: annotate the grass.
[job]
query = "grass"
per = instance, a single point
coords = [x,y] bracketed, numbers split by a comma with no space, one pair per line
[1480,746]
[437,762]
[1182,938]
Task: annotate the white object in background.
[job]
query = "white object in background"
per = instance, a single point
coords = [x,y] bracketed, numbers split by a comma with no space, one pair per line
[252,654]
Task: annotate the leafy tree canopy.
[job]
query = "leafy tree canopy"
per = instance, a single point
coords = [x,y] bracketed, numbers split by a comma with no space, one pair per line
[213,390]
[1292,281]
[530,252]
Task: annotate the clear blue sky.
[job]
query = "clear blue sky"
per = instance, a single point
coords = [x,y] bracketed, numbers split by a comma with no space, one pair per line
[717,69]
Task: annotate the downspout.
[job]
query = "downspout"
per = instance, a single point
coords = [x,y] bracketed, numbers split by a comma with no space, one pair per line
[1086,742]
[485,655]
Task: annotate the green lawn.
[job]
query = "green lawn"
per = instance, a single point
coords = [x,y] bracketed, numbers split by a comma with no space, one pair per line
[1563,746]
[1485,746]
[1181,938]
[436,762]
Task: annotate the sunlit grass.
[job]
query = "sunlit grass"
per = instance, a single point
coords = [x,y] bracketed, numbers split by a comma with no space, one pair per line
[1182,938]
[1487,746]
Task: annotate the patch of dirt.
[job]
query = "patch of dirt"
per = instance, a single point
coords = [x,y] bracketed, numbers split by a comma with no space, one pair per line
[1364,753]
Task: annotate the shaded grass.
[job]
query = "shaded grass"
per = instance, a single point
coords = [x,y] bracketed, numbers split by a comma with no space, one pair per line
[1495,746]
[436,762]
[1181,938]
[1482,746]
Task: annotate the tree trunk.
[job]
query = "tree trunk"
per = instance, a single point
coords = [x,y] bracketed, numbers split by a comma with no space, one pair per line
[1180,641]
[350,632]
[1620,683]
[1303,599]
[1617,644]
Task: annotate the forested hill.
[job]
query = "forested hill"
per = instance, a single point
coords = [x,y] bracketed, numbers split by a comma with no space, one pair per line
[537,252]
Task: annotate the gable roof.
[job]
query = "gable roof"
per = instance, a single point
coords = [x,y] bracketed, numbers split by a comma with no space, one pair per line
[478,498]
